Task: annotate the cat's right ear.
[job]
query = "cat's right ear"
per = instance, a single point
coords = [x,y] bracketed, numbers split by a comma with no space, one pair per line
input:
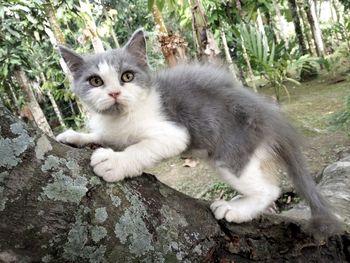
[72,59]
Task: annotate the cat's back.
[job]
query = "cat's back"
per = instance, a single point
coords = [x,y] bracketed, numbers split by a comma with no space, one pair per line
[205,88]
[207,101]
[192,78]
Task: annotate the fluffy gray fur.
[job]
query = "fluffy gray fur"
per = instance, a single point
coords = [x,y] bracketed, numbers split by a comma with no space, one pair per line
[228,121]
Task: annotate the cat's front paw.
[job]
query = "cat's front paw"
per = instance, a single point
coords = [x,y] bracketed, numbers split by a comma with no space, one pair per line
[226,210]
[69,137]
[108,164]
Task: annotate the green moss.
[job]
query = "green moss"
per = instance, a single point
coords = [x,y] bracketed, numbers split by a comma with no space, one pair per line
[65,188]
[101,214]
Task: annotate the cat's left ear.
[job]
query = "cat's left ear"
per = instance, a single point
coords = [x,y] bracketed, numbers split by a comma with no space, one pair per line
[136,46]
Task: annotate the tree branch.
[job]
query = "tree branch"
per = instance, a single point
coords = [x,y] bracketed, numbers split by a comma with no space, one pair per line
[54,209]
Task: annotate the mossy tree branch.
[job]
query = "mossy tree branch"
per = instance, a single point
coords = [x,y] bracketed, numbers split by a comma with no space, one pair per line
[54,209]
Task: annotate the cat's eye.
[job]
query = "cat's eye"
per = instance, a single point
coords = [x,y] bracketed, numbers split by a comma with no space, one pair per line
[95,81]
[127,76]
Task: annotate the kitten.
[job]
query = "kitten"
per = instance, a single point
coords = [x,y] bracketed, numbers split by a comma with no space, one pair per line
[142,117]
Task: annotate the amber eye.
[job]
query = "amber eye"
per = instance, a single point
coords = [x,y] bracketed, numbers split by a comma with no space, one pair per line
[127,76]
[95,81]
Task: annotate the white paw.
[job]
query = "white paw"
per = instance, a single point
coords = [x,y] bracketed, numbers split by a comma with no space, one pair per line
[226,210]
[108,164]
[69,137]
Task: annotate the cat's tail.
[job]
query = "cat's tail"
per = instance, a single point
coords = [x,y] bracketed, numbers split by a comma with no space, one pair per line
[323,223]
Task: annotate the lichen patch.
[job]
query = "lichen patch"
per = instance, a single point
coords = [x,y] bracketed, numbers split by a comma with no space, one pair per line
[98,233]
[11,149]
[65,188]
[3,175]
[43,146]
[76,246]
[3,199]
[131,227]
[101,214]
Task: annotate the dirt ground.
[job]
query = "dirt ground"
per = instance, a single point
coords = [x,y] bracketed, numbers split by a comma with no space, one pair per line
[309,107]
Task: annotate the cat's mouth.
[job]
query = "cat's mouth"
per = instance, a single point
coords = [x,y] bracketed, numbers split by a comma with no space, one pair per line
[113,109]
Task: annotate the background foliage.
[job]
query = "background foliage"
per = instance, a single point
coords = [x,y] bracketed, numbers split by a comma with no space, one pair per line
[264,54]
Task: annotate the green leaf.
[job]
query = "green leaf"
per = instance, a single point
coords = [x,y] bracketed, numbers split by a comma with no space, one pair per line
[21,7]
[13,32]
[150,4]
[293,81]
[160,4]
[2,12]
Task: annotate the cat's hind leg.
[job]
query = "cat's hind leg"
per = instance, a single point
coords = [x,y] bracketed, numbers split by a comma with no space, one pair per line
[257,183]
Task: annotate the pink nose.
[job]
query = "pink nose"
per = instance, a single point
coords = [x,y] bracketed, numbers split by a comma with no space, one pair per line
[114,95]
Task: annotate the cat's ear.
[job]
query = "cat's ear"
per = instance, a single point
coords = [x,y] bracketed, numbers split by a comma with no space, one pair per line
[137,46]
[72,59]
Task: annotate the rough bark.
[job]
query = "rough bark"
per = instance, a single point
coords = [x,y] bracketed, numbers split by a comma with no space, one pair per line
[206,44]
[261,29]
[90,31]
[56,109]
[297,26]
[53,209]
[315,26]
[55,26]
[173,46]
[250,70]
[281,29]
[232,65]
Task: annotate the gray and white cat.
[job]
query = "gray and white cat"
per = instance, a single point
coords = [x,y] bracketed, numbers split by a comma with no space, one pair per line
[143,117]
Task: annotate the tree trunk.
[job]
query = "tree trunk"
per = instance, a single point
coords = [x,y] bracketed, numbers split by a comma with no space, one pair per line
[55,26]
[34,106]
[56,109]
[54,104]
[91,29]
[53,209]
[173,46]
[282,28]
[315,26]
[232,65]
[56,37]
[250,70]
[207,46]
[9,98]
[261,30]
[14,97]
[307,31]
[297,26]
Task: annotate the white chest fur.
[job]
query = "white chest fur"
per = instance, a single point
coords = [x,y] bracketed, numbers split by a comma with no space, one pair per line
[144,121]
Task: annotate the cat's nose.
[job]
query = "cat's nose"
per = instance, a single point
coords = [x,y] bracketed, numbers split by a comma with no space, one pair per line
[114,95]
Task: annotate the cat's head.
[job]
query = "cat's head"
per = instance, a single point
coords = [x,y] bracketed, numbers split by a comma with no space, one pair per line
[113,81]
